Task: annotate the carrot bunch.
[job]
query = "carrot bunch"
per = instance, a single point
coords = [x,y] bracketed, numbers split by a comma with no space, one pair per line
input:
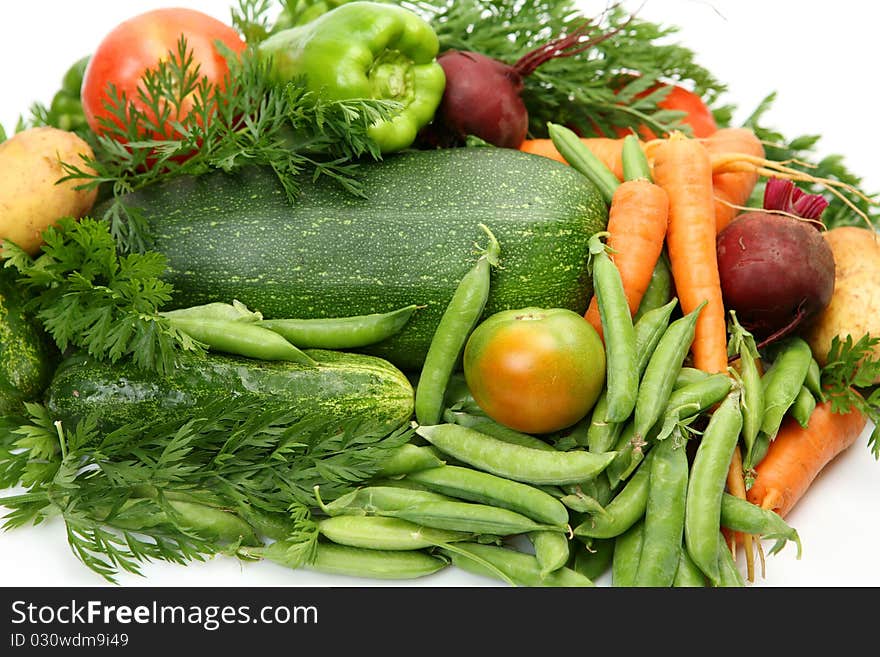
[682,193]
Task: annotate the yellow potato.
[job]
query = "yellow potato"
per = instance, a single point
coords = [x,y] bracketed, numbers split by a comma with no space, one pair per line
[855,303]
[30,199]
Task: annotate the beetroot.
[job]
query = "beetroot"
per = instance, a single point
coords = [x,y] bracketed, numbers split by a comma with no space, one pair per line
[482,94]
[776,270]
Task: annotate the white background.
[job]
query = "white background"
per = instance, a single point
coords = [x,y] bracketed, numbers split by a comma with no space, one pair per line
[820,56]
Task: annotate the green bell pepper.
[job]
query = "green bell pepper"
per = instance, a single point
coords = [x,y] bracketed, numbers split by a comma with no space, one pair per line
[366,50]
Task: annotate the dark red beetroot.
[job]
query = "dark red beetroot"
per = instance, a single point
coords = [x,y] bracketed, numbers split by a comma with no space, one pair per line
[776,270]
[483,95]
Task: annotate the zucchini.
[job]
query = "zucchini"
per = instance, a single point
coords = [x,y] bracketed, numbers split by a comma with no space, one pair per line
[332,253]
[341,386]
[26,355]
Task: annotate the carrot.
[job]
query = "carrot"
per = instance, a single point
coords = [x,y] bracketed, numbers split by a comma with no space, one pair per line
[736,486]
[637,221]
[732,190]
[682,167]
[607,149]
[797,455]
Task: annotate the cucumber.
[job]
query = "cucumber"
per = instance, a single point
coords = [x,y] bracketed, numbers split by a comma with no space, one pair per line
[342,386]
[26,355]
[410,241]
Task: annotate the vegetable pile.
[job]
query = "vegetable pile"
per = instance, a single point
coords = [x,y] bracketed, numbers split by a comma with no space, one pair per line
[385,288]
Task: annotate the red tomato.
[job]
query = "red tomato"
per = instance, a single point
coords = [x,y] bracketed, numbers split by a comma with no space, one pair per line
[698,115]
[535,370]
[139,43]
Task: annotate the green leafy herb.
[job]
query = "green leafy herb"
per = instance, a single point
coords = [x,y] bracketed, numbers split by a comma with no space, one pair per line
[115,491]
[245,121]
[591,92]
[848,379]
[88,296]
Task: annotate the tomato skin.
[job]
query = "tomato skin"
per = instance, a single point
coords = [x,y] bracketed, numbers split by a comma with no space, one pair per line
[535,370]
[138,44]
[697,114]
[699,117]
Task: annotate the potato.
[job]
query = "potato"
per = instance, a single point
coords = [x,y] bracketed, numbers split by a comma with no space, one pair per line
[855,303]
[30,199]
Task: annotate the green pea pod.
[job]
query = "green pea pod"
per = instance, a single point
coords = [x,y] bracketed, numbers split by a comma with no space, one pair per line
[276,526]
[729,575]
[458,320]
[242,339]
[706,484]
[211,522]
[231,312]
[578,434]
[378,499]
[627,554]
[598,488]
[664,516]
[490,427]
[803,406]
[783,382]
[649,330]
[814,380]
[660,288]
[458,396]
[624,509]
[741,515]
[688,574]
[551,550]
[525,464]
[635,163]
[602,435]
[470,517]
[752,402]
[583,160]
[514,567]
[341,332]
[689,401]
[687,375]
[630,452]
[407,459]
[593,560]
[485,488]
[351,561]
[659,377]
[756,455]
[381,533]
[622,376]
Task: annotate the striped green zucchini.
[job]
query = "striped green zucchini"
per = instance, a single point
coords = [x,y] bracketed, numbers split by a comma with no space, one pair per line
[410,241]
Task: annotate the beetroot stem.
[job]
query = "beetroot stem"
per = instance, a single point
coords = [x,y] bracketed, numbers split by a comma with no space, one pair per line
[564,46]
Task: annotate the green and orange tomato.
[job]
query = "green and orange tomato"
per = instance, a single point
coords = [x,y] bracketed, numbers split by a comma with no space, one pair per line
[536,370]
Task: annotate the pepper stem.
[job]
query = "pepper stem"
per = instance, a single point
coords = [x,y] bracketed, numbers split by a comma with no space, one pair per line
[391,77]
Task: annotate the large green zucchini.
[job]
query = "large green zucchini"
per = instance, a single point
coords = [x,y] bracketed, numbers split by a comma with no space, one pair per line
[409,242]
[342,386]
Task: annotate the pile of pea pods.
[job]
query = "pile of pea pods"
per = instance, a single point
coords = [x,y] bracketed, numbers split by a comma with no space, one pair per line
[637,488]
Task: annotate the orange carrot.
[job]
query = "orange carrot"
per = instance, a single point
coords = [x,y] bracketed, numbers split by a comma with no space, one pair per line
[637,219]
[682,167]
[732,190]
[608,150]
[797,455]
